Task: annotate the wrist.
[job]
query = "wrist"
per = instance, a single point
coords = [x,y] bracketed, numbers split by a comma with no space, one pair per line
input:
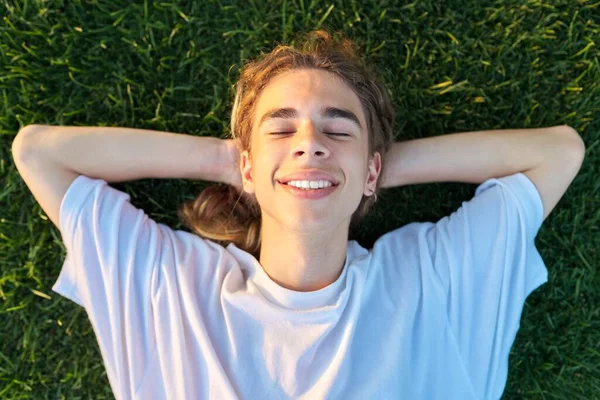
[230,155]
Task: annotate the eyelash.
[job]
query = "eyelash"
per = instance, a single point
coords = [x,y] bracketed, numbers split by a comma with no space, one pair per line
[327,133]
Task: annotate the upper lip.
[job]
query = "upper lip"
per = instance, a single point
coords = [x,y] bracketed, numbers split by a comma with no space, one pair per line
[312,175]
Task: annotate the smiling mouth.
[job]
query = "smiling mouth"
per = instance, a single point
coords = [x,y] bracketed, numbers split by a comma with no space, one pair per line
[309,194]
[301,188]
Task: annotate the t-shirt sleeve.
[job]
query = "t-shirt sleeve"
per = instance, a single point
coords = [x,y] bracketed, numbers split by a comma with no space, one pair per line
[487,264]
[110,270]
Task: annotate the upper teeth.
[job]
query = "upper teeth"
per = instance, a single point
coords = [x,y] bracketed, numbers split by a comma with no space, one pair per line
[310,184]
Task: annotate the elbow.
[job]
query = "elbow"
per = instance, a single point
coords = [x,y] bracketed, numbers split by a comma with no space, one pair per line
[24,139]
[19,142]
[577,145]
[30,129]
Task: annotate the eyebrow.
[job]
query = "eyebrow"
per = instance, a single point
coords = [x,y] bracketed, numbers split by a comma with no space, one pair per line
[326,112]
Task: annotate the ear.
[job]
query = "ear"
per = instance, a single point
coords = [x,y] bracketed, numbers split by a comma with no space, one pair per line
[374,170]
[246,172]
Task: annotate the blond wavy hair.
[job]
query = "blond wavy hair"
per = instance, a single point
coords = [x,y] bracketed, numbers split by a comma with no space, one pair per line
[225,215]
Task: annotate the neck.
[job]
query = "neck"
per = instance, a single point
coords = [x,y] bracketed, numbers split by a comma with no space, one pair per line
[303,261]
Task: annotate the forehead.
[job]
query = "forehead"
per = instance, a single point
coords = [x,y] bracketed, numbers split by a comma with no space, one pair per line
[308,90]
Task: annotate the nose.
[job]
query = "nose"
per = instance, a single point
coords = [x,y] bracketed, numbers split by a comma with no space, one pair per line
[308,139]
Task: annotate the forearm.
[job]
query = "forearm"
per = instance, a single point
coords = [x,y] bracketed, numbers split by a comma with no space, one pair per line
[473,157]
[123,154]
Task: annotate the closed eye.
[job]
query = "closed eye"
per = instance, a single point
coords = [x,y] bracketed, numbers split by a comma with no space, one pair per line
[327,133]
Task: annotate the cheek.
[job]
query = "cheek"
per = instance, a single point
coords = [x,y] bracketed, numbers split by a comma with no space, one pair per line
[263,171]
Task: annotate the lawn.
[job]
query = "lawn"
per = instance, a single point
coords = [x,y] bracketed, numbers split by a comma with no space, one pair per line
[451,66]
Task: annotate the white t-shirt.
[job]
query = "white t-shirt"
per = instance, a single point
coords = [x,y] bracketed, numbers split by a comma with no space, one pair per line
[431,312]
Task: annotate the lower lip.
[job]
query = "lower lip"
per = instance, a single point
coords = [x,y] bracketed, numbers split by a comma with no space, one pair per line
[309,194]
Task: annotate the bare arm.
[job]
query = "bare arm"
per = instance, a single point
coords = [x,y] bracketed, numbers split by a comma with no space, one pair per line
[49,158]
[550,157]
[125,154]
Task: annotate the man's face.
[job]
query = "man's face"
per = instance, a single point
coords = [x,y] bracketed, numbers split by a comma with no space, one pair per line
[311,142]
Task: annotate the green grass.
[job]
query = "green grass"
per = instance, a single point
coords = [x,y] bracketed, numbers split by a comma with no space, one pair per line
[169,66]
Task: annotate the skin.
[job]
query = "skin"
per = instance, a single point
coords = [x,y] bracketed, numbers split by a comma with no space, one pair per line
[304,241]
